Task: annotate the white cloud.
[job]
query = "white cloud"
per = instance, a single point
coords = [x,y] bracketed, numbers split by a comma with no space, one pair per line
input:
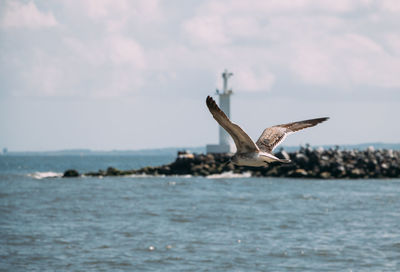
[99,9]
[134,51]
[391,5]
[26,15]
[44,77]
[117,63]
[392,40]
[345,60]
[259,9]
[207,30]
[124,50]
[103,10]
[120,47]
[310,40]
[251,80]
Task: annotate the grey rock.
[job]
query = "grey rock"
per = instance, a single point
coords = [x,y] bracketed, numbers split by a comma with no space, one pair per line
[71,173]
[325,175]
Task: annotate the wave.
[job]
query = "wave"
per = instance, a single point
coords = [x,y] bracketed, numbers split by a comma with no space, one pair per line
[43,175]
[144,176]
[230,174]
[157,176]
[226,175]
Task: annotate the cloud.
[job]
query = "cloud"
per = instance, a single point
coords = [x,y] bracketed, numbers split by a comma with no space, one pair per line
[123,50]
[392,6]
[392,40]
[89,56]
[112,66]
[345,60]
[301,58]
[253,80]
[110,11]
[27,15]
[206,31]
[278,8]
[99,9]
[315,43]
[119,48]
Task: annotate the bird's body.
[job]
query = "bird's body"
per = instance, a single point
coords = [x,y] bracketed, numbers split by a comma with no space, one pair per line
[255,159]
[260,153]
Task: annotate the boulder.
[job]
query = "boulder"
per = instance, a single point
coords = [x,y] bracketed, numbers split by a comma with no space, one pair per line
[325,175]
[111,171]
[307,162]
[298,173]
[71,173]
[356,173]
[301,159]
[339,171]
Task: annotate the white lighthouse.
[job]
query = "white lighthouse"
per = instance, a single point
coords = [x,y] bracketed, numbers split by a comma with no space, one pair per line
[225,141]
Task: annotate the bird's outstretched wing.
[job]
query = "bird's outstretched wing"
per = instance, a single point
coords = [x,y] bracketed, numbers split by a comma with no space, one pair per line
[242,141]
[273,136]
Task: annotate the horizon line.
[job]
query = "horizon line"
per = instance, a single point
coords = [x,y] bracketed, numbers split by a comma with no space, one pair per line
[89,150]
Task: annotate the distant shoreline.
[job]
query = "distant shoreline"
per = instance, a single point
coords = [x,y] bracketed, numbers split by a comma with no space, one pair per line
[171,151]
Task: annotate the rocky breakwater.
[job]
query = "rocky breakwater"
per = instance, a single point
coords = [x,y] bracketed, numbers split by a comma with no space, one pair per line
[305,163]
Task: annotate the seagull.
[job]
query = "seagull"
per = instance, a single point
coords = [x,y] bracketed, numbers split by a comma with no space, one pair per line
[257,154]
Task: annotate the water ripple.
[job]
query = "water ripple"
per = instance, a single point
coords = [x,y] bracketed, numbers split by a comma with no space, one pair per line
[192,224]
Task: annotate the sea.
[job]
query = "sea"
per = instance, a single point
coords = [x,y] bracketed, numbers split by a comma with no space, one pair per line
[224,222]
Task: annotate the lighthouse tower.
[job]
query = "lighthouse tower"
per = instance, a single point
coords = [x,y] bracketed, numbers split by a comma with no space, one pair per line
[225,142]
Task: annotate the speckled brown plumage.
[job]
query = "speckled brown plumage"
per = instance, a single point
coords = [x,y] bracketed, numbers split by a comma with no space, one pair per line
[259,153]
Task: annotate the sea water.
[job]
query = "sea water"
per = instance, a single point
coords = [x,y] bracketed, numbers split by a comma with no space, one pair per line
[221,223]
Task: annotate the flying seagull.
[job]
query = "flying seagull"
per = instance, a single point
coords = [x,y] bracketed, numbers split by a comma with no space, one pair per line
[260,153]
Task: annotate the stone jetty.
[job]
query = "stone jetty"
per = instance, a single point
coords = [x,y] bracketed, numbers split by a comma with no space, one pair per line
[307,162]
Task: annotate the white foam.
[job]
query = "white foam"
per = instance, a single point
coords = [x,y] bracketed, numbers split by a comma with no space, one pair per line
[43,175]
[157,176]
[184,176]
[144,176]
[225,175]
[229,175]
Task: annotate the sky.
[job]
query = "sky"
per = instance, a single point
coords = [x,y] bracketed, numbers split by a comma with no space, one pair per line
[120,74]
